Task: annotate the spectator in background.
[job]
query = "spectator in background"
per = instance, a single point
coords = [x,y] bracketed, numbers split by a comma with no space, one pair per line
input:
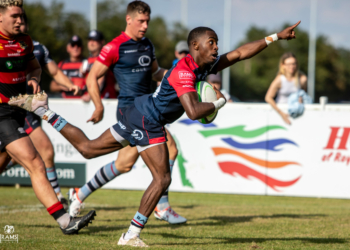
[107,82]
[289,80]
[71,68]
[216,81]
[181,50]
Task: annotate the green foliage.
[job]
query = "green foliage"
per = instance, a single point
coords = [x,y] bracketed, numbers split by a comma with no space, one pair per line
[251,78]
[53,27]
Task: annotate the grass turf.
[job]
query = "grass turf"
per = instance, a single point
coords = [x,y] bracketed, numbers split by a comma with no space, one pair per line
[215,221]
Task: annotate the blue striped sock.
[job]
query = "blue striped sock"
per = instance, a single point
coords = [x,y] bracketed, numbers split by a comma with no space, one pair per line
[139,220]
[52,176]
[164,200]
[102,176]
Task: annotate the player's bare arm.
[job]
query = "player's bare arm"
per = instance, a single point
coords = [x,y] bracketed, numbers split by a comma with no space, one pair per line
[33,73]
[60,78]
[195,109]
[157,72]
[249,50]
[97,71]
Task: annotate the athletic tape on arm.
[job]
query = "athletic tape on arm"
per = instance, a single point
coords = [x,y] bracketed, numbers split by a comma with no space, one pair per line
[271,38]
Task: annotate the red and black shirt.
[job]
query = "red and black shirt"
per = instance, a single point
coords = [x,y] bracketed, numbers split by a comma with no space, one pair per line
[15,53]
[72,70]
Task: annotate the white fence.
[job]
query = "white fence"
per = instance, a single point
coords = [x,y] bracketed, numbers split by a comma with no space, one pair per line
[247,150]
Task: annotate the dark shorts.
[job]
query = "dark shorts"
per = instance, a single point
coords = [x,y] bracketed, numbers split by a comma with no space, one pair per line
[120,112]
[32,122]
[11,125]
[138,130]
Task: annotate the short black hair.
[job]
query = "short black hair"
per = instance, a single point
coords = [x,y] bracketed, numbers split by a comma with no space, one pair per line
[196,32]
[139,7]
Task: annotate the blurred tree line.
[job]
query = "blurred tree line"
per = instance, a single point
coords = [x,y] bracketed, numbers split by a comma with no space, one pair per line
[251,78]
[53,27]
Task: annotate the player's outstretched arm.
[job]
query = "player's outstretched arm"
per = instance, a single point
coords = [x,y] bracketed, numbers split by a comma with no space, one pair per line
[249,50]
[197,110]
[98,70]
[56,73]
[157,72]
[33,73]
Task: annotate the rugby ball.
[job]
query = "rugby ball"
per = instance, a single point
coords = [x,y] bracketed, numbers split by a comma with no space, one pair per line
[206,93]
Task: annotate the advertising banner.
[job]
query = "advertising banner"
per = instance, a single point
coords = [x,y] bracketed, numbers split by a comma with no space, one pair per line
[248,149]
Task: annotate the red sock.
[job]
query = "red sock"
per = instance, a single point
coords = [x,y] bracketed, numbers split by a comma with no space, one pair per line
[56,210]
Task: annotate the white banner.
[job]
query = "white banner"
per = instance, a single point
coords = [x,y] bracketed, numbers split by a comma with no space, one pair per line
[248,149]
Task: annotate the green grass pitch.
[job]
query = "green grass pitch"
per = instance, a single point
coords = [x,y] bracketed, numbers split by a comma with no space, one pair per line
[215,221]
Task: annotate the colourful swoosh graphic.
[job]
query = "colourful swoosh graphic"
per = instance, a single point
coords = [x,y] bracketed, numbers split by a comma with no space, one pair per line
[233,167]
[190,122]
[239,131]
[268,145]
[263,163]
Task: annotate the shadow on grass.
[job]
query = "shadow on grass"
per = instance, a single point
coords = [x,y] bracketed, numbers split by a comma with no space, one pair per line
[248,240]
[237,219]
[103,208]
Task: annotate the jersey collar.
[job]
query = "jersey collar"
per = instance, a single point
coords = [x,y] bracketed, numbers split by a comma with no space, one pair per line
[3,36]
[192,62]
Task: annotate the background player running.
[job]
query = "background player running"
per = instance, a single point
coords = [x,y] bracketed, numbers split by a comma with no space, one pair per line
[19,67]
[144,120]
[32,124]
[132,58]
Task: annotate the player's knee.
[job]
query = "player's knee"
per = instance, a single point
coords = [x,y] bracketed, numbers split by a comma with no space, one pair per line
[48,155]
[36,166]
[173,151]
[164,182]
[125,167]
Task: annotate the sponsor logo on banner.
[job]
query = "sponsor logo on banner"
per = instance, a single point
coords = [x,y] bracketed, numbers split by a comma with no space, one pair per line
[183,75]
[336,147]
[238,139]
[9,235]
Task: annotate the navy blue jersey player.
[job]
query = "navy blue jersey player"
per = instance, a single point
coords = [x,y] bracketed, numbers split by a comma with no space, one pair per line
[131,57]
[142,123]
[32,124]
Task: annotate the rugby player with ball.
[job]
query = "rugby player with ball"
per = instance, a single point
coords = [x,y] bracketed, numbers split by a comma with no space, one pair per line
[142,124]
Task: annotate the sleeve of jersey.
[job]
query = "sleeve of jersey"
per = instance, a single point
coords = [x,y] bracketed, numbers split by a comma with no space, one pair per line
[153,52]
[47,58]
[183,81]
[109,54]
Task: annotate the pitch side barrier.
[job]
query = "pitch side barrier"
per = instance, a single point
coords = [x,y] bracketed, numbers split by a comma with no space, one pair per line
[248,149]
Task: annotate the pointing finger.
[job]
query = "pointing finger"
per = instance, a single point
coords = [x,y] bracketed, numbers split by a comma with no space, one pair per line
[295,25]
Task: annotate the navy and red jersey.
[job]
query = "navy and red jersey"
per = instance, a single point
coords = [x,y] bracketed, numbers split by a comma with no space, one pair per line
[108,86]
[43,56]
[72,70]
[164,106]
[15,53]
[131,62]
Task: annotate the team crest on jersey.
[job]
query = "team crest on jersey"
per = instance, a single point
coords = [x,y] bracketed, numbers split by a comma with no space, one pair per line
[1,46]
[23,45]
